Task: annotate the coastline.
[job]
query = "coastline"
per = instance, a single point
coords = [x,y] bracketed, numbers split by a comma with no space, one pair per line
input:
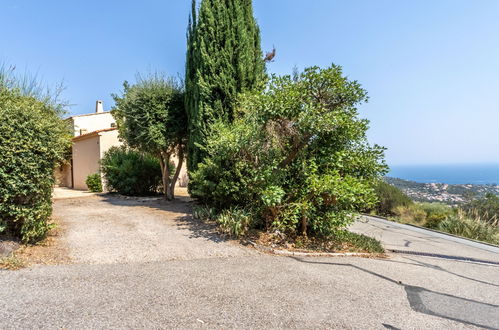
[442,192]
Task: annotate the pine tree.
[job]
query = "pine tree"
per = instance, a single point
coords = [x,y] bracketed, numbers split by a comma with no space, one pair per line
[224,59]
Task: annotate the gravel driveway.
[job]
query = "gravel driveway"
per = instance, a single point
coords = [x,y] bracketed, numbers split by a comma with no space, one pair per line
[109,229]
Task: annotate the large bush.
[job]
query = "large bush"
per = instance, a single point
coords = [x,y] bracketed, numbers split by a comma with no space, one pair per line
[436,213]
[33,140]
[389,198]
[297,155]
[130,172]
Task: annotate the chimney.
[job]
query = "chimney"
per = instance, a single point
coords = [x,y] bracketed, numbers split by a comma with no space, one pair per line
[98,107]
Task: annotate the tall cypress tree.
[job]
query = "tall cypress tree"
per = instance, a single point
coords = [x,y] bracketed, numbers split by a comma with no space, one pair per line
[224,58]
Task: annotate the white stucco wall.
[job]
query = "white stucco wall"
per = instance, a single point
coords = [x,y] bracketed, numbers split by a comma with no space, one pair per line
[91,122]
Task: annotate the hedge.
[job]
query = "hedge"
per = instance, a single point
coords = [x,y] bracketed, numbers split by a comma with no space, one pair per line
[33,140]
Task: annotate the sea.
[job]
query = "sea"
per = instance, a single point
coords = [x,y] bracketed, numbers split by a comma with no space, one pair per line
[451,174]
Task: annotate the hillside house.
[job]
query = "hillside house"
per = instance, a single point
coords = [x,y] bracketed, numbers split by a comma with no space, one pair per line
[94,134]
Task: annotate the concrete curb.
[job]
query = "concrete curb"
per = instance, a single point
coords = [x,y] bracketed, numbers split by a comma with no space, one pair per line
[310,254]
[458,239]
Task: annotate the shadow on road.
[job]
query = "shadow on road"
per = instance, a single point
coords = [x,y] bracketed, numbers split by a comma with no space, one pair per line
[179,210]
[439,304]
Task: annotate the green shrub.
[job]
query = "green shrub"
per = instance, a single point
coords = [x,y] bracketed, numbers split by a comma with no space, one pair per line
[33,140]
[94,183]
[360,241]
[472,227]
[297,155]
[435,213]
[130,172]
[234,221]
[205,213]
[389,198]
[412,214]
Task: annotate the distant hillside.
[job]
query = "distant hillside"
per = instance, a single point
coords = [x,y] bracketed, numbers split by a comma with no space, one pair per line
[441,192]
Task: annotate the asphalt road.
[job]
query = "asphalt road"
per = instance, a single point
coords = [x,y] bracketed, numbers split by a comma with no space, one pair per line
[252,290]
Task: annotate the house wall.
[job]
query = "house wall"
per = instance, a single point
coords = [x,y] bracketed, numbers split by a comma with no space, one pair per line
[86,156]
[92,122]
[63,175]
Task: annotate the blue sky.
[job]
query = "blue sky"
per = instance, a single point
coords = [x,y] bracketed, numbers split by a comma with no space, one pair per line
[431,67]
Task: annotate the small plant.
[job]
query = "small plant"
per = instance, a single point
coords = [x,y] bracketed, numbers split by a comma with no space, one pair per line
[94,183]
[361,242]
[11,263]
[234,221]
[204,213]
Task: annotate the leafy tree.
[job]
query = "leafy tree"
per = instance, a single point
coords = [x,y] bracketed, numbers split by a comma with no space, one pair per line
[33,141]
[297,156]
[224,59]
[151,118]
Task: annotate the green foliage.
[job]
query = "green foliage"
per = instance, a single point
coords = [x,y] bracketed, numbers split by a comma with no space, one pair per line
[461,224]
[151,118]
[33,140]
[412,214]
[234,221]
[435,213]
[361,242]
[389,198]
[487,208]
[94,183]
[130,172]
[224,59]
[204,213]
[296,154]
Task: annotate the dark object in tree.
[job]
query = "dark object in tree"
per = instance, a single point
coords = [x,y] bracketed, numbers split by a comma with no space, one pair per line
[224,59]
[269,57]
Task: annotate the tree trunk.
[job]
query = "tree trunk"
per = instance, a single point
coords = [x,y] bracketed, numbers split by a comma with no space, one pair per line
[303,225]
[164,161]
[177,172]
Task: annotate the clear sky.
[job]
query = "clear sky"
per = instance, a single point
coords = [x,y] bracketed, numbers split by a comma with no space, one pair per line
[431,67]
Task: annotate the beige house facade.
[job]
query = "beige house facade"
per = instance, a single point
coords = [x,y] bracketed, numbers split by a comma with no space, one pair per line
[88,150]
[94,134]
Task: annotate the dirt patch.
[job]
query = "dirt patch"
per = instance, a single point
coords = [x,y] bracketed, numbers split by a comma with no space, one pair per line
[50,251]
[7,246]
